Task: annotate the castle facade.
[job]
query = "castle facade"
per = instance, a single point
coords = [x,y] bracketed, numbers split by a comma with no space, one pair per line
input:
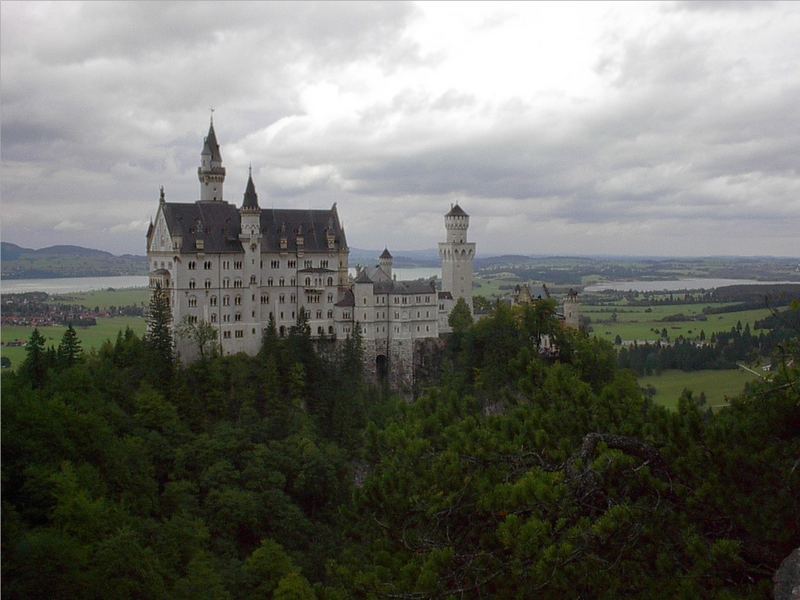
[238,267]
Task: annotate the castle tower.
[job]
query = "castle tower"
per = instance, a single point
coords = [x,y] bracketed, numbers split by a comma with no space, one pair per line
[385,261]
[457,256]
[211,173]
[572,314]
[250,237]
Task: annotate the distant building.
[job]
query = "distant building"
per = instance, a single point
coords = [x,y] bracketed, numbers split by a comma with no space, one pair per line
[235,267]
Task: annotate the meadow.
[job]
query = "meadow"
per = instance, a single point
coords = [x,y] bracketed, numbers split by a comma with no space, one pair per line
[106,298]
[90,337]
[639,322]
[718,386]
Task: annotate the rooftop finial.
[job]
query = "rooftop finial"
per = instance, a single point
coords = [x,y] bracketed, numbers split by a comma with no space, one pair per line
[211,108]
[250,170]
[161,197]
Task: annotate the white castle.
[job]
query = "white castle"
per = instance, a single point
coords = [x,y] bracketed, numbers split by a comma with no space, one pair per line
[236,268]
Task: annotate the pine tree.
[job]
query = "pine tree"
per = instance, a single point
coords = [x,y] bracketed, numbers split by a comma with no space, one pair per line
[69,350]
[35,365]
[158,338]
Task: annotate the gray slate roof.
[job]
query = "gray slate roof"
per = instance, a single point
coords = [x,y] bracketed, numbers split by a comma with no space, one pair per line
[218,224]
[250,196]
[211,146]
[385,253]
[456,211]
[347,299]
[418,286]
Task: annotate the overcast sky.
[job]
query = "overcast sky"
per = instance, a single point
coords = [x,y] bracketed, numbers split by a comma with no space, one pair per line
[659,129]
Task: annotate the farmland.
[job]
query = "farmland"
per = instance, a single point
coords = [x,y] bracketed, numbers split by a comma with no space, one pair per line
[716,385]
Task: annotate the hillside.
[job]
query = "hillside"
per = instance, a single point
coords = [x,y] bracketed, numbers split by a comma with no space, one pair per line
[66,261]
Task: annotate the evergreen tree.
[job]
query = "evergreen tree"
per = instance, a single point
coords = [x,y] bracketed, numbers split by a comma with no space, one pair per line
[35,365]
[158,338]
[69,350]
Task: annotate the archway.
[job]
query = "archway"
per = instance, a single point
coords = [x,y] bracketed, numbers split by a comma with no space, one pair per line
[382,367]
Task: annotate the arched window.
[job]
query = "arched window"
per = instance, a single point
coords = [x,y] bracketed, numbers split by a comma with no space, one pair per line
[213,301]
[237,301]
[252,278]
[281,281]
[330,280]
[192,301]
[308,280]
[330,329]
[191,284]
[207,283]
[269,281]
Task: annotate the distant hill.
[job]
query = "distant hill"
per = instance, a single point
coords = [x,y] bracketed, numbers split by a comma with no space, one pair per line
[66,261]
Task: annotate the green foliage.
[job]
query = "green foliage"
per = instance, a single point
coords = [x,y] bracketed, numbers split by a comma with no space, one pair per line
[460,318]
[536,468]
[69,350]
[159,336]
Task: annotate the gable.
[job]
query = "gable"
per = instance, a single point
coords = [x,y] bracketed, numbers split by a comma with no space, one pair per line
[160,241]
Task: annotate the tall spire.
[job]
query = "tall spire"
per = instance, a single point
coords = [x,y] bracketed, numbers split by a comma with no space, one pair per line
[250,196]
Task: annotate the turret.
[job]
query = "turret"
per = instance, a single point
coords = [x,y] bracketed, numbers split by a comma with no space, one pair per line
[456,222]
[211,173]
[457,255]
[385,261]
[250,211]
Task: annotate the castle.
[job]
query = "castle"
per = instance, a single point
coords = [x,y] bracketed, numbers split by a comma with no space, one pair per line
[238,267]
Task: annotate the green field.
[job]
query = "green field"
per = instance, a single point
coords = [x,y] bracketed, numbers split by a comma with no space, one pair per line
[489,286]
[106,298]
[635,323]
[91,337]
[717,385]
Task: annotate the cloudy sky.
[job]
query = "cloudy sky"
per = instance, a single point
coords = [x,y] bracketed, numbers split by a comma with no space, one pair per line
[659,129]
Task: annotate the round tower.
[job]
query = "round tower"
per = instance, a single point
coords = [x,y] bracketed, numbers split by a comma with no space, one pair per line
[457,255]
[211,173]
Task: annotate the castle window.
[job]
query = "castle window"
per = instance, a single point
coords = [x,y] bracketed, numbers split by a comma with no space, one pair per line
[323,264]
[237,283]
[292,298]
[427,314]
[319,314]
[330,314]
[237,317]
[226,301]
[365,316]
[281,299]
[226,282]
[226,318]
[427,328]
[292,281]
[207,265]
[330,298]
[192,265]
[213,317]
[264,299]
[275,264]
[237,264]
[418,300]
[192,318]
[253,314]
[292,264]
[237,301]
[282,329]
[239,333]
[192,301]
[261,264]
[293,315]
[330,280]
[365,300]
[269,281]
[252,278]
[308,280]
[320,331]
[418,314]
[226,335]
[226,264]
[213,301]
[207,284]
[308,264]
[405,300]
[330,329]
[427,299]
[191,284]
[281,282]
[396,299]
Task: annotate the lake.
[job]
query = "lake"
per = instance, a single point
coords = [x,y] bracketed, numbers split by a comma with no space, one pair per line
[66,285]
[672,285]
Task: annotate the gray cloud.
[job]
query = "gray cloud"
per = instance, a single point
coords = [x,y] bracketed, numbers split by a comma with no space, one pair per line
[694,126]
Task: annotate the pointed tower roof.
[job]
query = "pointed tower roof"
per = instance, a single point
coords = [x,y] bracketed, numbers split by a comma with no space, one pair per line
[456,211]
[210,145]
[385,254]
[250,196]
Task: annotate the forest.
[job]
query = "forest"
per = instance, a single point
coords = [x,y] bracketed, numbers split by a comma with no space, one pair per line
[515,474]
